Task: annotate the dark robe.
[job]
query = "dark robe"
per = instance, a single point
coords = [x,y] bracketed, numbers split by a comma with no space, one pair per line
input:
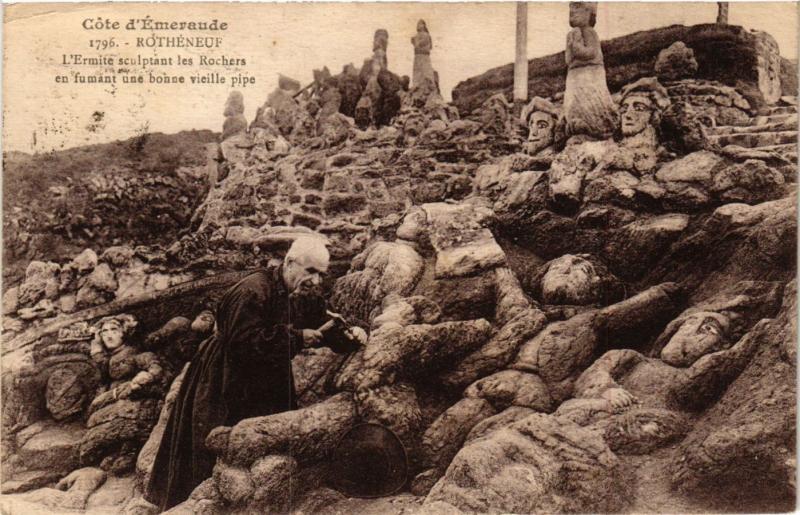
[244,370]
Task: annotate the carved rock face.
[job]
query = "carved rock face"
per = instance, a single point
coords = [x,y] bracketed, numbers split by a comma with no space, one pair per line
[111,333]
[580,14]
[702,333]
[636,112]
[541,128]
[234,104]
[569,280]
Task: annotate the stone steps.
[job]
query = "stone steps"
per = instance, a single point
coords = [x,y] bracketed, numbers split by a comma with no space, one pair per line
[756,139]
[783,110]
[788,151]
[771,119]
[786,123]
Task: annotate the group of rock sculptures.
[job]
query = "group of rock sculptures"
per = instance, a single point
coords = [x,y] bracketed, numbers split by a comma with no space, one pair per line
[561,368]
[371,97]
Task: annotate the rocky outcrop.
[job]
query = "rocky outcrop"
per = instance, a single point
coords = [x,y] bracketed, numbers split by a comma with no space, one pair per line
[46,452]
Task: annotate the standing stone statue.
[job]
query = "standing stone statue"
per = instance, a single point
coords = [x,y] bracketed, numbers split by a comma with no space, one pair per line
[380,44]
[722,13]
[588,107]
[423,69]
[235,122]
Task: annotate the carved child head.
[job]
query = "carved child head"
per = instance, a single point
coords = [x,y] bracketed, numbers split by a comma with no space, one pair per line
[582,14]
[421,26]
[700,333]
[110,332]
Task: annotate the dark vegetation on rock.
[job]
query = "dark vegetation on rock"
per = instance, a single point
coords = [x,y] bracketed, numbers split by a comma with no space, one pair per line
[141,191]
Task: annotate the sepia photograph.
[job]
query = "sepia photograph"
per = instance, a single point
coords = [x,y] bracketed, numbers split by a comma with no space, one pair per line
[377,258]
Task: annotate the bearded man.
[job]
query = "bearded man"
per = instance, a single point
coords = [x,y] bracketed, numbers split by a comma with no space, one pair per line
[244,369]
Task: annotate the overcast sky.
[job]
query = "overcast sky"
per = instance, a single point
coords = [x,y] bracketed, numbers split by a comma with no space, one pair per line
[292,39]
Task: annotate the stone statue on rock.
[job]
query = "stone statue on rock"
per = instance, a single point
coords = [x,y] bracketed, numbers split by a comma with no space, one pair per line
[120,419]
[235,122]
[423,69]
[380,98]
[350,89]
[380,44]
[589,110]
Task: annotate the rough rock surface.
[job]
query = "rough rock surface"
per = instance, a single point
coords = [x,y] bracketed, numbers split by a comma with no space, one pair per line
[395,352]
[498,351]
[305,434]
[382,269]
[560,466]
[512,388]
[146,457]
[462,243]
[676,62]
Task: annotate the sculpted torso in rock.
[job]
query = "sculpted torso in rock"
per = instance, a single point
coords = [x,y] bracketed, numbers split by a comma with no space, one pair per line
[639,401]
[588,107]
[121,417]
[131,372]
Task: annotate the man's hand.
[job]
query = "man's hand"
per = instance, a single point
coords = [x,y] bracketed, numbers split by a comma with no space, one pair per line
[357,334]
[311,337]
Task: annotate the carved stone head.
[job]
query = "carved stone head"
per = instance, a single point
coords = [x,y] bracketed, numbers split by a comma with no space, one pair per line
[636,113]
[234,104]
[641,106]
[380,40]
[582,14]
[701,333]
[540,116]
[110,332]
